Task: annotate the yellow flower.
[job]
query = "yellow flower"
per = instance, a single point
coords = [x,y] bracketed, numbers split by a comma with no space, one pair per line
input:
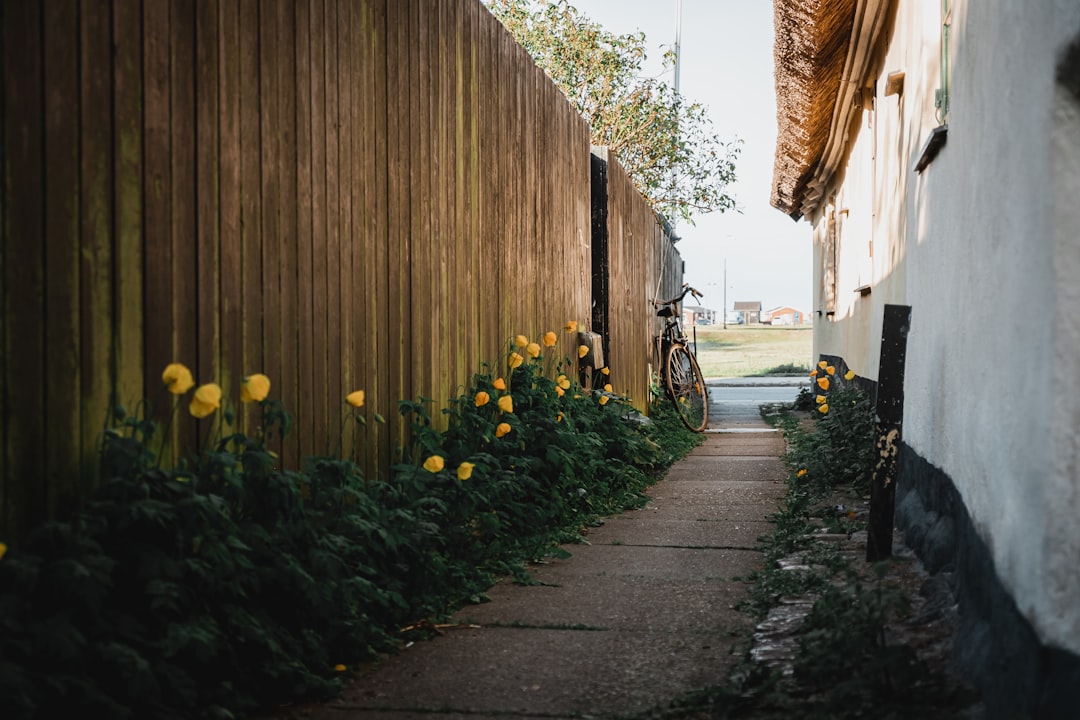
[521,341]
[207,399]
[533,350]
[603,399]
[831,370]
[813,373]
[582,351]
[563,382]
[820,399]
[499,384]
[559,391]
[3,550]
[550,339]
[482,399]
[571,326]
[434,464]
[464,471]
[605,370]
[558,418]
[607,388]
[356,399]
[823,408]
[340,668]
[502,429]
[801,473]
[823,383]
[849,375]
[823,364]
[177,378]
[515,360]
[255,388]
[506,403]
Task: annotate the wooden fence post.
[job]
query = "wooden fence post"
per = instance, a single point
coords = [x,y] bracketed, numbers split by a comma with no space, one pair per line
[889,414]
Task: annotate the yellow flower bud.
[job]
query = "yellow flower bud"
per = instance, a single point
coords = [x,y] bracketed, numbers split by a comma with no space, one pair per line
[801,473]
[356,399]
[607,388]
[255,388]
[515,361]
[823,364]
[482,399]
[177,378]
[207,399]
[502,429]
[605,370]
[434,464]
[3,550]
[571,326]
[340,668]
[550,339]
[849,375]
[464,471]
[506,404]
[533,350]
[831,370]
[820,399]
[563,382]
[823,408]
[521,341]
[499,384]
[813,373]
[604,399]
[559,391]
[582,351]
[823,383]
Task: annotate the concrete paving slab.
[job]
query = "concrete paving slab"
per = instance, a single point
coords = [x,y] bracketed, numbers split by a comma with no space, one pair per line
[589,562]
[524,671]
[732,501]
[741,445]
[627,529]
[727,469]
[644,604]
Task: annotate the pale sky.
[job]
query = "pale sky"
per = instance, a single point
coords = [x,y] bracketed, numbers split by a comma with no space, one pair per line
[727,65]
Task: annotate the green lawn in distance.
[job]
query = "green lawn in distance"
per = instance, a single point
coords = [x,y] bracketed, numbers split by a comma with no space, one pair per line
[752,350]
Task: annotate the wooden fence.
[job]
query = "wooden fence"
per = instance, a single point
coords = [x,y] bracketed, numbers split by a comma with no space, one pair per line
[342,194]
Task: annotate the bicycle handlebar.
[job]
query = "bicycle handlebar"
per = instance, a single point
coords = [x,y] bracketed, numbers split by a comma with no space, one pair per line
[685,289]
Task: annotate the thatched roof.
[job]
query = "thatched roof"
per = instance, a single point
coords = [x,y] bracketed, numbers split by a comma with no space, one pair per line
[828,55]
[812,40]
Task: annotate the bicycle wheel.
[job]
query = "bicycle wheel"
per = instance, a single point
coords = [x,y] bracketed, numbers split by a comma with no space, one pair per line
[686,386]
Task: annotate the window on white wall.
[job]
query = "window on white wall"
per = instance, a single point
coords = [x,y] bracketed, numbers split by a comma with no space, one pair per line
[828,259]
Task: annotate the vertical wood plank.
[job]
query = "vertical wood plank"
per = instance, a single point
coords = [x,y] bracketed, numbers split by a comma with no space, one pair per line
[333,219]
[362,44]
[328,411]
[305,362]
[127,102]
[157,230]
[207,283]
[23,292]
[285,53]
[62,337]
[96,321]
[270,135]
[398,243]
[379,299]
[346,82]
[229,94]
[419,342]
[181,115]
[251,256]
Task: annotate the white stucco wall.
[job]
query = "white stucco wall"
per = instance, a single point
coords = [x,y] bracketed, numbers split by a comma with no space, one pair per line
[985,247]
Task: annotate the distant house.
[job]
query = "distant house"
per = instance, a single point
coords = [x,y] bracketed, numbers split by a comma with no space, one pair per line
[750,312]
[694,315]
[783,316]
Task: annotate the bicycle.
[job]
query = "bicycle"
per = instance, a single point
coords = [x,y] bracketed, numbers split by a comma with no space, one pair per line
[682,377]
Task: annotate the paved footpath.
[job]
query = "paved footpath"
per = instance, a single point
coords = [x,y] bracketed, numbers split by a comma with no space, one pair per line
[642,615]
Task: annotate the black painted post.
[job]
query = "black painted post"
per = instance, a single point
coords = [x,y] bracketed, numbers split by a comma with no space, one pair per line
[887,426]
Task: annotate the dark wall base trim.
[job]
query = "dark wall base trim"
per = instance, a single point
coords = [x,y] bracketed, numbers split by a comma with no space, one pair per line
[995,647]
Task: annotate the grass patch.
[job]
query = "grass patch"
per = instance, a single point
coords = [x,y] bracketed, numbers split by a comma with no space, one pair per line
[741,351]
